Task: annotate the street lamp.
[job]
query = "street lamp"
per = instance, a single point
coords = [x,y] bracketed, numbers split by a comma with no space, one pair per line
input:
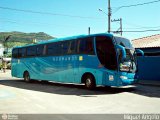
[102,11]
[109,18]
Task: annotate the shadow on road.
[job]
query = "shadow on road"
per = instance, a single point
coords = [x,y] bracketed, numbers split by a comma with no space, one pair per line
[79,90]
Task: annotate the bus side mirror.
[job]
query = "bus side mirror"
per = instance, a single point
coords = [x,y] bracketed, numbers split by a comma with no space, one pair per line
[123,51]
[140,51]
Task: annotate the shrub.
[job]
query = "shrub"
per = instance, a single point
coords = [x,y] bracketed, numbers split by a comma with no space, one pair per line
[0,66]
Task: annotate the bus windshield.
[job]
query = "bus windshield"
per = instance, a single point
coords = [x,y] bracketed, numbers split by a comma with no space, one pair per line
[106,52]
[128,64]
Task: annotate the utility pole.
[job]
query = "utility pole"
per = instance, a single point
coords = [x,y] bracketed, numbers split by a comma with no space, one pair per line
[120,28]
[89,30]
[109,16]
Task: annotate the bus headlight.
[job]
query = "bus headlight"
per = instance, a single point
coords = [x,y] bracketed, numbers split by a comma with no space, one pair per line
[123,77]
[124,67]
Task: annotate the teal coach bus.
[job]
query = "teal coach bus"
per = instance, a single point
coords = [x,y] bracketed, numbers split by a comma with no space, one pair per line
[97,59]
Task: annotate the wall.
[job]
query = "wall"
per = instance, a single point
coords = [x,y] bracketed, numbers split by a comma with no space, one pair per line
[1,50]
[149,68]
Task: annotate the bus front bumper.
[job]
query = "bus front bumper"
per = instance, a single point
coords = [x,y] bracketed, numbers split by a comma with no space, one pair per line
[128,81]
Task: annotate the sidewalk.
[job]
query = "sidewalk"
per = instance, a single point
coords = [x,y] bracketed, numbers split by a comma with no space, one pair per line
[6,74]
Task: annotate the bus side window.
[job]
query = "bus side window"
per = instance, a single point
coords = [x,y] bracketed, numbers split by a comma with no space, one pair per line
[31,51]
[65,47]
[71,48]
[85,46]
[82,47]
[58,49]
[78,46]
[15,53]
[50,48]
[54,49]
[40,50]
[22,52]
[89,46]
[45,50]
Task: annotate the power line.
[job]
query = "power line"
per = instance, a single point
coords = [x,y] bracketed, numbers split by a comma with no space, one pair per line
[139,4]
[140,30]
[47,24]
[32,23]
[36,24]
[142,27]
[47,13]
[50,25]
[137,26]
[134,5]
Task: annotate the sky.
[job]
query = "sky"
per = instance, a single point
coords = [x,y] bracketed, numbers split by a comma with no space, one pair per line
[63,18]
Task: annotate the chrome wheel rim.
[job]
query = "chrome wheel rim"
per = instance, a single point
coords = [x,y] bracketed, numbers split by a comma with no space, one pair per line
[27,78]
[88,82]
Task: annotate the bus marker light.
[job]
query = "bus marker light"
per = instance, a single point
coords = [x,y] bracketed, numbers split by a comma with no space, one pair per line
[80,58]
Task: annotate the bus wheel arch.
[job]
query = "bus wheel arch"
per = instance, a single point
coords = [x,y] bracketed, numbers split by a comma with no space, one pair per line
[89,80]
[26,76]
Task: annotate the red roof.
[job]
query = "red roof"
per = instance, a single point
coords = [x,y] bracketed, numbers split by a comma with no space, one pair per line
[146,42]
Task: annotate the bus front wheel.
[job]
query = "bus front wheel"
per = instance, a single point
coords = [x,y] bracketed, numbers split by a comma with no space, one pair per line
[26,77]
[90,82]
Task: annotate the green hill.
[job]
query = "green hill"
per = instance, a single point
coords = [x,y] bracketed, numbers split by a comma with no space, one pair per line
[21,38]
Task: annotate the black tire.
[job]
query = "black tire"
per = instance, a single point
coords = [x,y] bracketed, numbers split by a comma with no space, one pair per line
[27,77]
[44,81]
[90,82]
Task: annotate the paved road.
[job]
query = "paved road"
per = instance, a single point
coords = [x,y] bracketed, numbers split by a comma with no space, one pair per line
[16,96]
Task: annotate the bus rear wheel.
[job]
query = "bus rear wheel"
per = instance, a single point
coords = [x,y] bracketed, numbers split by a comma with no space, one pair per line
[27,77]
[90,82]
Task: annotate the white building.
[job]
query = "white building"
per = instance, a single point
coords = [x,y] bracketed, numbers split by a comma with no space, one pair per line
[1,50]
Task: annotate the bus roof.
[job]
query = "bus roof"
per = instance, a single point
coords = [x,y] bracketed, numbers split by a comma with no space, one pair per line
[65,39]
